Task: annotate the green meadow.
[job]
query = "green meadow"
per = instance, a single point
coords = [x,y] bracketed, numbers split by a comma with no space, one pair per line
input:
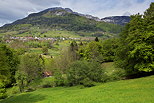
[125,91]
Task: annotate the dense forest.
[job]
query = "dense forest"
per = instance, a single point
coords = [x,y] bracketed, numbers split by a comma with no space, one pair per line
[80,63]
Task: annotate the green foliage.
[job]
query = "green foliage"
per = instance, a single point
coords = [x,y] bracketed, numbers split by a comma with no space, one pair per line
[59,80]
[36,84]
[45,50]
[100,51]
[83,72]
[2,91]
[21,80]
[47,82]
[109,47]
[19,47]
[96,39]
[30,68]
[92,50]
[86,82]
[8,65]
[67,56]
[136,49]
[12,91]
[34,44]
[117,74]
[113,72]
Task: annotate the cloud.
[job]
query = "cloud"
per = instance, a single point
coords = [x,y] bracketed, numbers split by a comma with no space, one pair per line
[11,10]
[103,8]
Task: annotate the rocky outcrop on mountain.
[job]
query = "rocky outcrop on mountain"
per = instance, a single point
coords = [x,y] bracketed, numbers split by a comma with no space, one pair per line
[121,20]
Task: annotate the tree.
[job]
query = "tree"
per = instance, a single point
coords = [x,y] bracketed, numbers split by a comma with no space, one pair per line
[109,47]
[59,80]
[83,72]
[8,65]
[96,39]
[92,50]
[67,56]
[136,45]
[30,68]
[19,47]
[45,50]
[21,80]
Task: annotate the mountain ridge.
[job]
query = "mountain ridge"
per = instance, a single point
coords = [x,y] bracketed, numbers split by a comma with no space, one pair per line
[121,20]
[61,19]
[110,19]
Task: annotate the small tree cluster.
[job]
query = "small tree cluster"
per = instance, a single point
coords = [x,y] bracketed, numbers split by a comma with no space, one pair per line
[85,73]
[30,68]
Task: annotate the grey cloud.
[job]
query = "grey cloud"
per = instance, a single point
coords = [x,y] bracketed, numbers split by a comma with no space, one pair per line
[11,10]
[45,2]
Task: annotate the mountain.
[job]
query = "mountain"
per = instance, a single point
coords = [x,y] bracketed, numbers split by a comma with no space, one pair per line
[60,19]
[121,20]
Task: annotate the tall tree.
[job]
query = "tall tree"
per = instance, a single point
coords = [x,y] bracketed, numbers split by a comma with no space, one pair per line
[30,68]
[92,50]
[8,65]
[136,47]
[68,55]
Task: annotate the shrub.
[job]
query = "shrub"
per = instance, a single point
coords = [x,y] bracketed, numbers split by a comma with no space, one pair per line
[2,91]
[30,89]
[84,73]
[47,84]
[45,50]
[15,90]
[87,82]
[118,74]
[59,80]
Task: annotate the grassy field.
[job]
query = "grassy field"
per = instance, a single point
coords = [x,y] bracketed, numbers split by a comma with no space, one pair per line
[125,91]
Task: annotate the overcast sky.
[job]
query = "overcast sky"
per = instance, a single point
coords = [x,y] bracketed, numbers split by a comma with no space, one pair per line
[11,10]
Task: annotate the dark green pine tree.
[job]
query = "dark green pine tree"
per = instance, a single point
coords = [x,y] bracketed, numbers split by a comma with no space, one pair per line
[96,39]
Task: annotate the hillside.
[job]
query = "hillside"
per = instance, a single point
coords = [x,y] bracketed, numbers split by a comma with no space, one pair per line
[126,91]
[60,19]
[121,20]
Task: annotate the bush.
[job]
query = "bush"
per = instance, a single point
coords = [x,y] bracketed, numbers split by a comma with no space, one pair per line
[15,90]
[87,82]
[45,50]
[30,89]
[118,74]
[48,82]
[85,73]
[59,80]
[2,91]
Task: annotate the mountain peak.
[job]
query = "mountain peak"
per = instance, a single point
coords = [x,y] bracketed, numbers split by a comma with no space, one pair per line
[59,11]
[59,8]
[53,11]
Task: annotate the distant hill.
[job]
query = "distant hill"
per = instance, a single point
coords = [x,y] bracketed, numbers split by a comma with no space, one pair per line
[60,19]
[121,20]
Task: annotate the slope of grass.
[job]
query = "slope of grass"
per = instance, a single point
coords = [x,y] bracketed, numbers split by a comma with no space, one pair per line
[126,91]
